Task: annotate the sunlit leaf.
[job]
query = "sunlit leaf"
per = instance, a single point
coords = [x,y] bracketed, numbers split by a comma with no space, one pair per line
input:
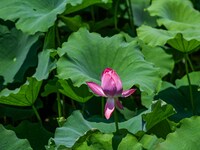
[195,79]
[164,62]
[14,47]
[81,4]
[45,65]
[160,112]
[175,14]
[9,141]
[150,141]
[186,137]
[129,142]
[182,30]
[184,41]
[25,95]
[85,60]
[76,126]
[95,140]
[33,16]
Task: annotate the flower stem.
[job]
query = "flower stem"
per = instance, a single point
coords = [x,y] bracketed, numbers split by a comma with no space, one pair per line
[59,105]
[115,14]
[190,63]
[37,114]
[189,83]
[130,10]
[116,120]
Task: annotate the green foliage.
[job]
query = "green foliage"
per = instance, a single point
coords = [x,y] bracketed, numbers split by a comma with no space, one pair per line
[182,30]
[164,62]
[175,14]
[49,49]
[178,96]
[184,41]
[10,141]
[141,16]
[26,95]
[180,139]
[76,126]
[32,131]
[14,47]
[33,16]
[80,94]
[160,112]
[80,62]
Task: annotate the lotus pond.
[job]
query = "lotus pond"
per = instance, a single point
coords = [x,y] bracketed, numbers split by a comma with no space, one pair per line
[99,74]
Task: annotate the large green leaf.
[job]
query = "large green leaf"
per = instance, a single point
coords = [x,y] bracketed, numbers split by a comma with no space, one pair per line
[160,112]
[184,41]
[175,14]
[179,97]
[33,16]
[81,4]
[76,126]
[141,16]
[45,65]
[32,132]
[182,30]
[149,142]
[25,95]
[129,142]
[14,47]
[9,141]
[165,61]
[80,94]
[184,138]
[86,59]
[195,79]
[74,23]
[95,140]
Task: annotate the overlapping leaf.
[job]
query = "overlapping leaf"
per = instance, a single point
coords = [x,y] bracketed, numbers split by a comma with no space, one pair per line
[86,55]
[182,30]
[37,15]
[184,41]
[9,141]
[76,126]
[27,94]
[141,16]
[80,94]
[14,47]
[195,79]
[164,62]
[179,97]
[175,14]
[81,4]
[32,131]
[186,137]
[33,16]
[160,112]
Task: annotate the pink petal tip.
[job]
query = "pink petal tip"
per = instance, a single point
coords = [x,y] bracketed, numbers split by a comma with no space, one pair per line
[96,89]
[109,107]
[127,93]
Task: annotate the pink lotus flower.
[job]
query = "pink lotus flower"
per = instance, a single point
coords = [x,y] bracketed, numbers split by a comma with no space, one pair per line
[111,87]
